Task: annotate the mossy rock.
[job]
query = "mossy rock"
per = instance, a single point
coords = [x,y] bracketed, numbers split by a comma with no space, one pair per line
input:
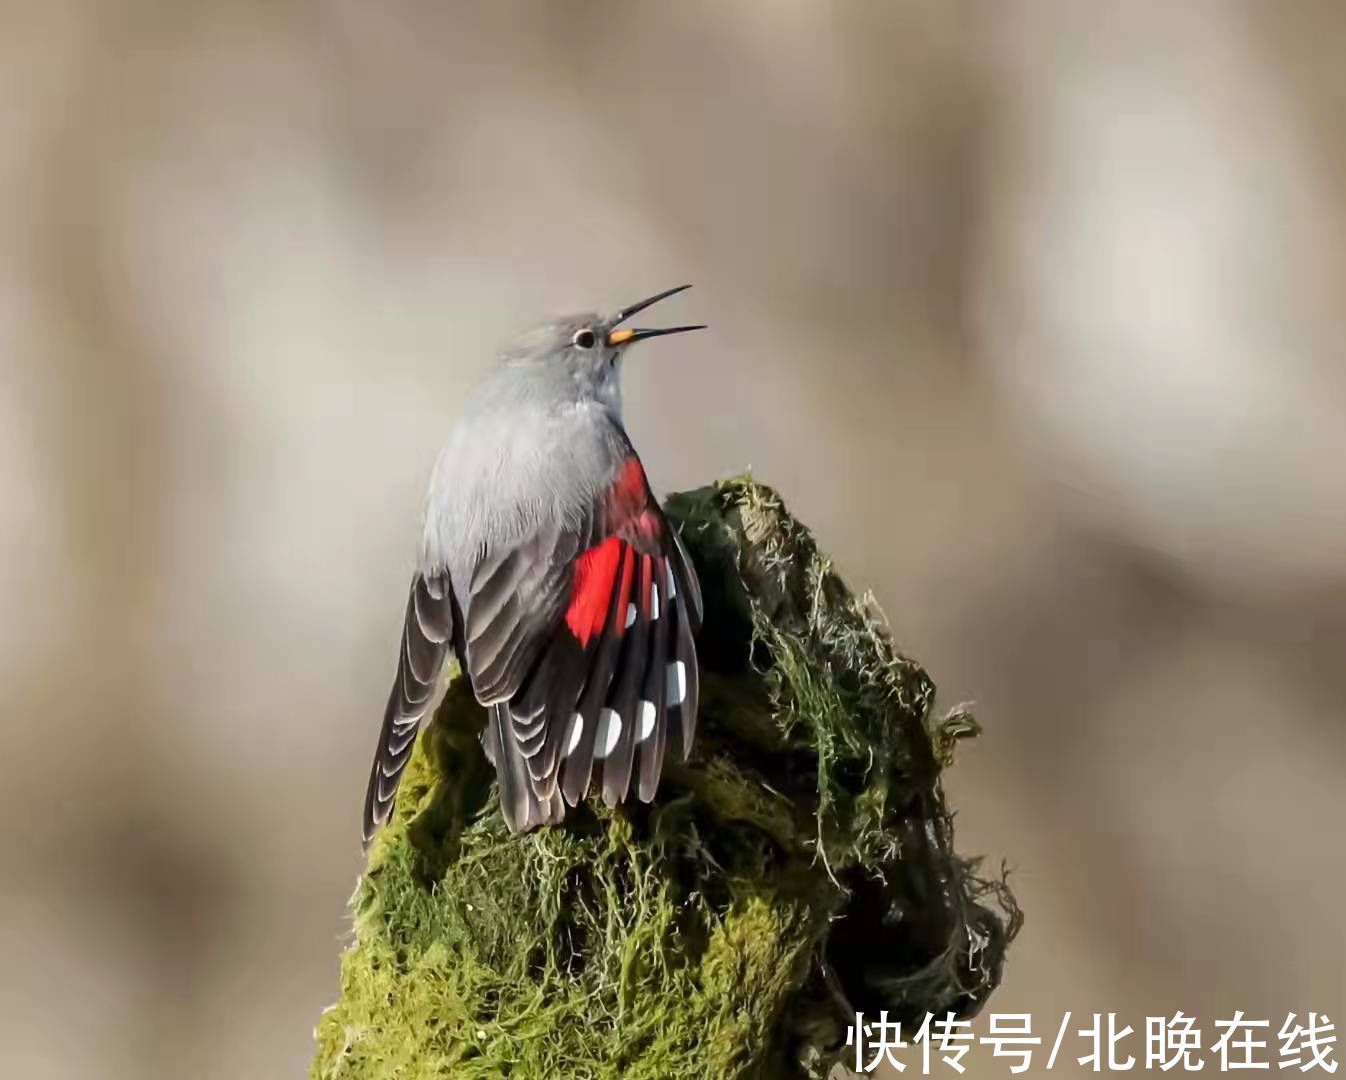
[798,868]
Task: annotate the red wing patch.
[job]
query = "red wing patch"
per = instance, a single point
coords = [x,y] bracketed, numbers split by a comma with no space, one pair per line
[632,518]
[595,574]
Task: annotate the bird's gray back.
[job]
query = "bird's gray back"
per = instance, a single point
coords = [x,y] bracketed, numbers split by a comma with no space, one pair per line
[528,450]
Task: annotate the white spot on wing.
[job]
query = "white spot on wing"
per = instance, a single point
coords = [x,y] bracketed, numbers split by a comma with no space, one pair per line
[576,730]
[645,716]
[654,602]
[630,614]
[677,682]
[609,731]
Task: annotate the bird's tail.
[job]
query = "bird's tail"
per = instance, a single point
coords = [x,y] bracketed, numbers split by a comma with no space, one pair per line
[427,635]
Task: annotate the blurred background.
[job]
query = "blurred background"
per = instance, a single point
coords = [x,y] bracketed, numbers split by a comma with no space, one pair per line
[1032,310]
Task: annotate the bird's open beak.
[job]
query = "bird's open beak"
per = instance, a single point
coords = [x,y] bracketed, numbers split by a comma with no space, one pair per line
[628,335]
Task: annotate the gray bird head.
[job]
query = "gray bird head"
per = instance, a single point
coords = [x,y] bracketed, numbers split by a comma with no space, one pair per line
[585,350]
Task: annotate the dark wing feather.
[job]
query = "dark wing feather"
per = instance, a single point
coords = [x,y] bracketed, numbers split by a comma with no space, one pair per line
[521,808]
[683,687]
[687,584]
[579,759]
[513,602]
[651,721]
[624,696]
[562,676]
[427,635]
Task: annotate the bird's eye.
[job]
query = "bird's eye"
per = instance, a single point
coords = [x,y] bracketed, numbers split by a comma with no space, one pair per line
[584,339]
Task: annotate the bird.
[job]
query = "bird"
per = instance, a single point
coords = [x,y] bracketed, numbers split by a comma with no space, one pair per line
[548,569]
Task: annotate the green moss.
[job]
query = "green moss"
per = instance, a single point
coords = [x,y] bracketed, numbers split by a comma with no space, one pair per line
[798,868]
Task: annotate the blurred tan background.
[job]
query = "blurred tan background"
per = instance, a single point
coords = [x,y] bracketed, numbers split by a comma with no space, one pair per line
[1033,310]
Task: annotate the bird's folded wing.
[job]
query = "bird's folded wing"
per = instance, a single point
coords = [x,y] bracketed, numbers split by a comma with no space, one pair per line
[581,637]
